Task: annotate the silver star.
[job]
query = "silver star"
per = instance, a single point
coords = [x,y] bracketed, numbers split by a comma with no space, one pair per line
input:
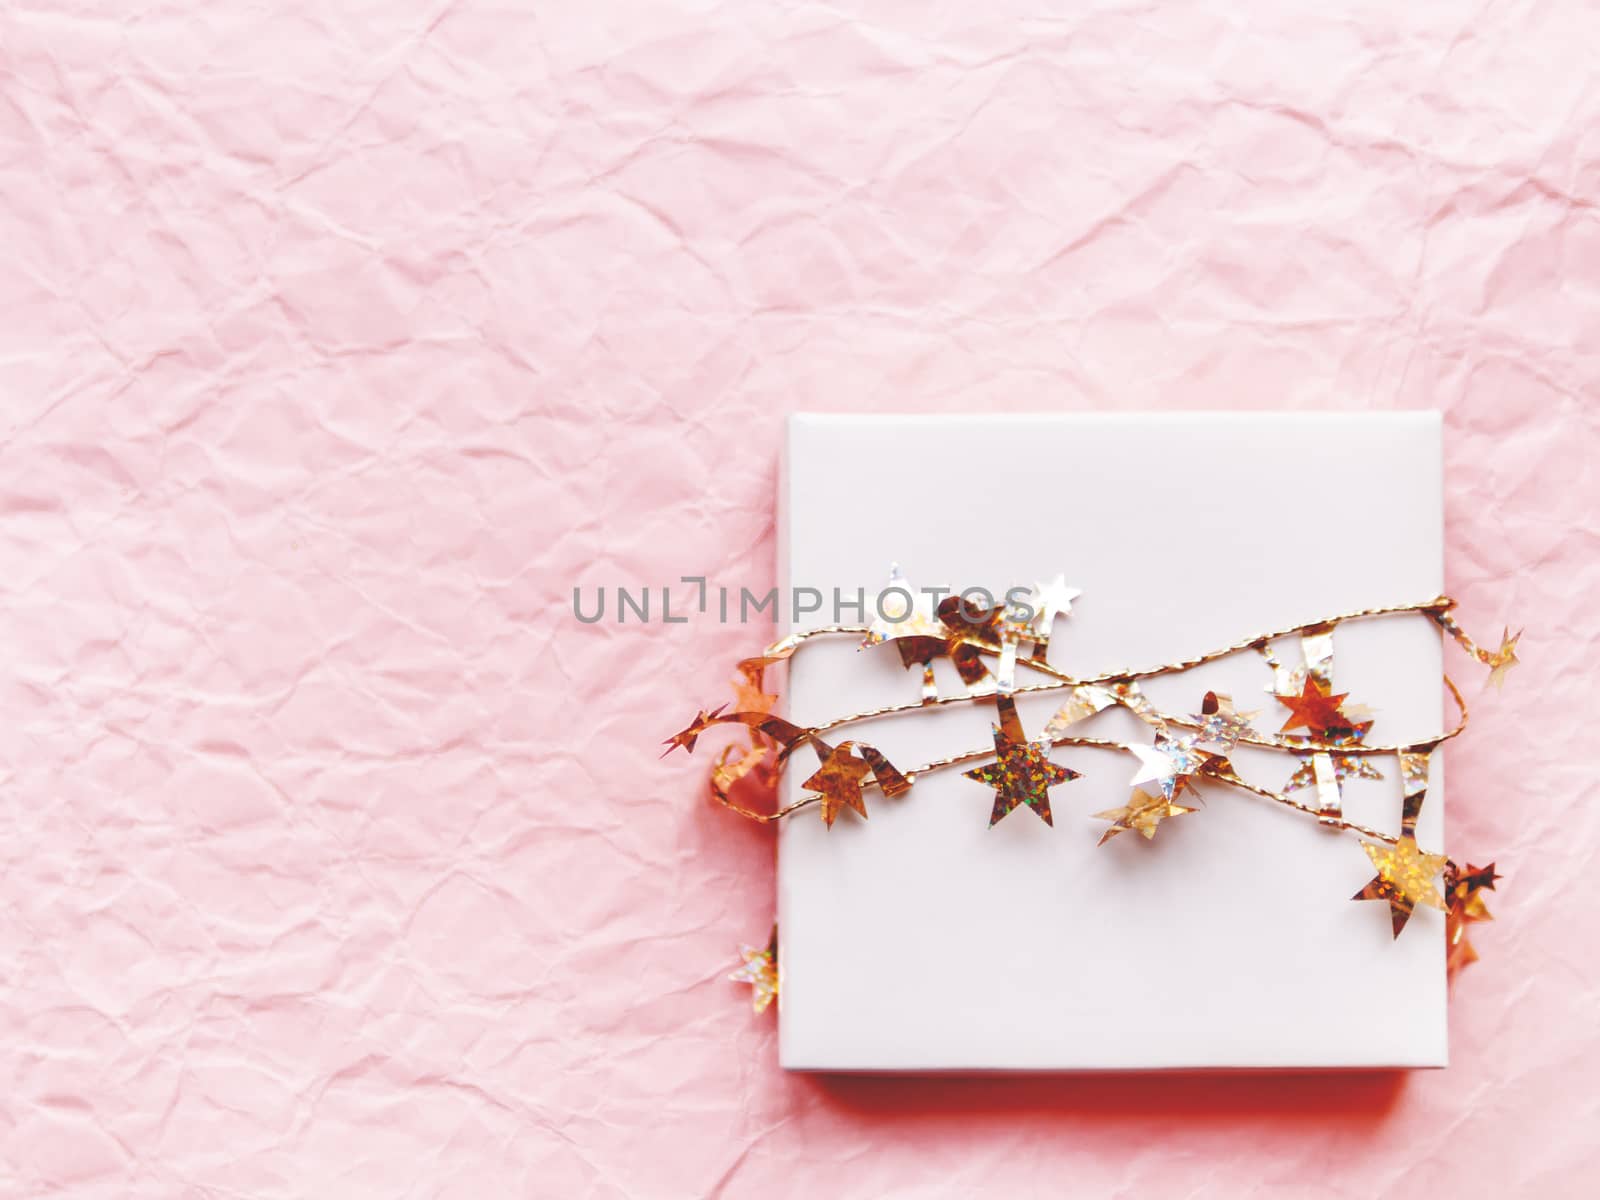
[917,621]
[1168,764]
[1048,599]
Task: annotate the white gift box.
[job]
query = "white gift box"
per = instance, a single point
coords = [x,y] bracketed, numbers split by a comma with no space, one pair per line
[920,939]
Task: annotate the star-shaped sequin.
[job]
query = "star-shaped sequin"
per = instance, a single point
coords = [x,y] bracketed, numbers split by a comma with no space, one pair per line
[1321,710]
[1474,879]
[913,619]
[1169,764]
[687,737]
[1021,774]
[1222,724]
[1466,907]
[760,971]
[1049,600]
[1503,659]
[1140,815]
[1405,879]
[838,782]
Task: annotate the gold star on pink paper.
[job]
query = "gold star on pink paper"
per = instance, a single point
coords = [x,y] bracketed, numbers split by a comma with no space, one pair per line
[760,971]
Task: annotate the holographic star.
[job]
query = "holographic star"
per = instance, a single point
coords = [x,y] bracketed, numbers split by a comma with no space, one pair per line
[1021,774]
[1222,724]
[1503,659]
[1169,764]
[838,781]
[1139,815]
[1405,879]
[1345,766]
[913,620]
[760,971]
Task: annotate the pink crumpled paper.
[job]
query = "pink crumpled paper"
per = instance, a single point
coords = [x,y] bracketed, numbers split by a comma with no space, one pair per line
[342,342]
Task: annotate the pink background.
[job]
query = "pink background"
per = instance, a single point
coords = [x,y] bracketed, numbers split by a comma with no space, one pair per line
[337,347]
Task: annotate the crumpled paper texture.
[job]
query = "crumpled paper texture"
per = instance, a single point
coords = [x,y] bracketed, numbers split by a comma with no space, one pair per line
[341,342]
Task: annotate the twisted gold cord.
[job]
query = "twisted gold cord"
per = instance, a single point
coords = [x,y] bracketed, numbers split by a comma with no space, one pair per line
[954,760]
[1437,609]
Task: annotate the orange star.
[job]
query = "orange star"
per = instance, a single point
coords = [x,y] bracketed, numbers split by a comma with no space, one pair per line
[838,782]
[1315,709]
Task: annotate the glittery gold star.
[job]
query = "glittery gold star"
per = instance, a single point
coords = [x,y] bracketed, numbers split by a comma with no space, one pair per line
[1503,659]
[1140,815]
[1021,774]
[838,782]
[1405,879]
[760,971]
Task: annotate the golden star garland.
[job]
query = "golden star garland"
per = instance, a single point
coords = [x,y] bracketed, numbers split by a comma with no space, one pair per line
[1332,748]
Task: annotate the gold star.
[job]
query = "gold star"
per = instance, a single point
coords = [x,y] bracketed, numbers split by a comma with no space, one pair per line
[1503,659]
[1140,815]
[1466,908]
[1405,879]
[1474,879]
[1022,774]
[838,781]
[760,971]
[687,737]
